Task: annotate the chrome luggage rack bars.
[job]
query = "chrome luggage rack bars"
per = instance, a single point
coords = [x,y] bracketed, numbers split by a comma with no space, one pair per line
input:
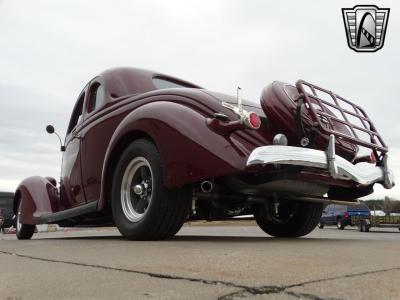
[324,117]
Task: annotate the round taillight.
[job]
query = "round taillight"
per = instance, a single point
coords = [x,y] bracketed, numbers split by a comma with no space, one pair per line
[254,120]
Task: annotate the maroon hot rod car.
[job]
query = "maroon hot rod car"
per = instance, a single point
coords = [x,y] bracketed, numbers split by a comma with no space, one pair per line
[145,152]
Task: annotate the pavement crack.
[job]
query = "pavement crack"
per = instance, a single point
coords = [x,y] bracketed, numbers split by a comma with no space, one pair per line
[264,290]
[151,274]
[247,292]
[343,276]
[244,291]
[308,296]
[251,291]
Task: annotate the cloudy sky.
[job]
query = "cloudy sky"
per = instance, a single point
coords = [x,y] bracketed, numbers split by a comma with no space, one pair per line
[50,49]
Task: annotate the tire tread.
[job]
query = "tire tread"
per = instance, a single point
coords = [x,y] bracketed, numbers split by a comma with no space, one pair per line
[306,220]
[172,207]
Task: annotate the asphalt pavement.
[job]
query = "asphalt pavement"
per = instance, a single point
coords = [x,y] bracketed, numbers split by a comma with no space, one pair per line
[202,262]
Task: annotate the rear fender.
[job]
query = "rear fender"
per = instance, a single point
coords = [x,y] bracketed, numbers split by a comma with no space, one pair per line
[37,195]
[190,151]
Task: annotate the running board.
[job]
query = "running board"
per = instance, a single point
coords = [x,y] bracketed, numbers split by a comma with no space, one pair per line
[69,213]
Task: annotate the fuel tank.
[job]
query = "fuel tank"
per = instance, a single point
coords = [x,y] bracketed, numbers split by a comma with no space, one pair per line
[280,101]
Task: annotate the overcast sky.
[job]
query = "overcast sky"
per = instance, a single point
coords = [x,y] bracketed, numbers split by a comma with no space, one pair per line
[51,49]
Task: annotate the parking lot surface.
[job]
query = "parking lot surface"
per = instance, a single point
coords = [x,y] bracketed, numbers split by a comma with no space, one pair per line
[202,262]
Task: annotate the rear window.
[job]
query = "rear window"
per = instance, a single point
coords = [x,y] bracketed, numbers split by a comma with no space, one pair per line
[340,208]
[361,207]
[329,208]
[161,83]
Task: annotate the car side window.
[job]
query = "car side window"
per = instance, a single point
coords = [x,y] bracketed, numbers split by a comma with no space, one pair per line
[96,97]
[76,117]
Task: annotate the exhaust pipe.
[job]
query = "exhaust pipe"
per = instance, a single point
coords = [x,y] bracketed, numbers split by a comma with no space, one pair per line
[327,201]
[206,186]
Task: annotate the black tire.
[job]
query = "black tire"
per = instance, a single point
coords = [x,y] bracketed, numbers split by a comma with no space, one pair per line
[321,225]
[166,210]
[301,218]
[24,231]
[340,224]
[364,226]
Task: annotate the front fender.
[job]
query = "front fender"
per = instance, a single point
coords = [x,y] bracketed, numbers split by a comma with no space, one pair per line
[36,195]
[190,151]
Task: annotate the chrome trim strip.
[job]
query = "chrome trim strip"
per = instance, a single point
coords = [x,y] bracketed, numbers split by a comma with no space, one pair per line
[338,167]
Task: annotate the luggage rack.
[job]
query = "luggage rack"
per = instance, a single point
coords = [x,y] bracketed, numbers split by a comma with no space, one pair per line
[328,111]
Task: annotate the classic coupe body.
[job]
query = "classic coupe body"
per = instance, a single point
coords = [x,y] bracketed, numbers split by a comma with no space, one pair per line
[146,152]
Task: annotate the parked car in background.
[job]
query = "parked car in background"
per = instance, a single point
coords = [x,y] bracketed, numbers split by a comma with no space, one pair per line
[6,208]
[341,215]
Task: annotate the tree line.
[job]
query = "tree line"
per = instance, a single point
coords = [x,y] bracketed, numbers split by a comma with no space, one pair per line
[387,205]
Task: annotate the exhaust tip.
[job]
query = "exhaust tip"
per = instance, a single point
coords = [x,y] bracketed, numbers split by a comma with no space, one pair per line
[206,186]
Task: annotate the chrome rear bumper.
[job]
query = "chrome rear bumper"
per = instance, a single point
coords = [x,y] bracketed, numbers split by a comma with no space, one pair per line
[338,167]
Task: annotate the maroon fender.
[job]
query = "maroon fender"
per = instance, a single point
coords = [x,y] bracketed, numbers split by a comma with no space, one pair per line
[37,196]
[178,132]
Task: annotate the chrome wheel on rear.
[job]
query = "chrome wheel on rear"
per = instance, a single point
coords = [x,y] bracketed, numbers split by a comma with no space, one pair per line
[136,189]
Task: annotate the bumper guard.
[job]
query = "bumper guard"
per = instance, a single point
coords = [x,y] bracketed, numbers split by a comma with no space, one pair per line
[337,166]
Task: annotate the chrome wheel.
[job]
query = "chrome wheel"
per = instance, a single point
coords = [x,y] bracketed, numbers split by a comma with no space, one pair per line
[142,207]
[18,223]
[282,212]
[136,189]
